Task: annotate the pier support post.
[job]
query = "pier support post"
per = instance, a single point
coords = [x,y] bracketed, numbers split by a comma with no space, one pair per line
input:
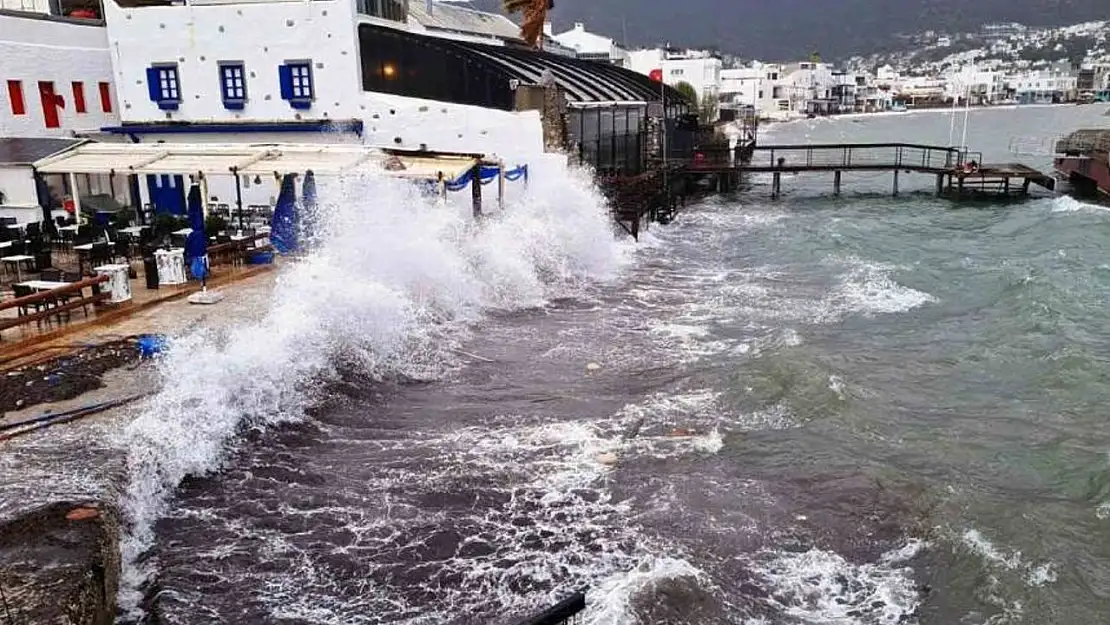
[1025,187]
[836,183]
[476,190]
[1006,185]
[896,172]
[776,185]
[940,185]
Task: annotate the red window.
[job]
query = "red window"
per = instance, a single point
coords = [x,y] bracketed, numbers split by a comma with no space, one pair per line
[105,97]
[79,97]
[15,96]
[51,102]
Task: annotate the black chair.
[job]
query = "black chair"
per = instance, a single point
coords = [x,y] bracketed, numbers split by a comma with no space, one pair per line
[33,230]
[51,275]
[25,309]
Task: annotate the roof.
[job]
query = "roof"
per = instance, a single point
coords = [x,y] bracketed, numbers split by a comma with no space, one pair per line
[15,151]
[444,16]
[583,80]
[249,158]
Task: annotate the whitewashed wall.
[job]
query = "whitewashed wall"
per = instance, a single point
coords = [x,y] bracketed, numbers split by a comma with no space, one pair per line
[33,50]
[18,186]
[20,199]
[265,35]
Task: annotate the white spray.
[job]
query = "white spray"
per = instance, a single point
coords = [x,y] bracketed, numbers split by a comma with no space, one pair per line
[394,282]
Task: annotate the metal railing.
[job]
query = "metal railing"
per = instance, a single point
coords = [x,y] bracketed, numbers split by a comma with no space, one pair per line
[858,156]
[566,612]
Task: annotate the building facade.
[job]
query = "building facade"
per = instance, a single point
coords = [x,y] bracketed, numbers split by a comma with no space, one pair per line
[55,85]
[700,69]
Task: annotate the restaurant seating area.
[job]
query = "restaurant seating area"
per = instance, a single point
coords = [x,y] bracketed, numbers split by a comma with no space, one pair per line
[52,273]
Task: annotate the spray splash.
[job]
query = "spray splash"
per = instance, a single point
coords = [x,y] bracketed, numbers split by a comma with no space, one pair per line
[391,286]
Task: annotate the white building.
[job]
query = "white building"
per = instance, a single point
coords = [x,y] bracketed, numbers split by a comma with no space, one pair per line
[378,72]
[591,46]
[809,87]
[760,86]
[700,69]
[56,75]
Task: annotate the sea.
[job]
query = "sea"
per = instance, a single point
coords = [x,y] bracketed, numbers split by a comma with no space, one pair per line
[862,409]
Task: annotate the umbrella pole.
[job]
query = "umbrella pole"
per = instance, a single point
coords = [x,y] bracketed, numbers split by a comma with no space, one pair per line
[238,195]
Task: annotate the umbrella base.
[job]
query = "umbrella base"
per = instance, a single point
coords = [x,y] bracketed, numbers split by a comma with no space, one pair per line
[206,297]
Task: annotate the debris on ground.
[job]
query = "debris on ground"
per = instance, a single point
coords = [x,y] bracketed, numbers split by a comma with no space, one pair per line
[64,377]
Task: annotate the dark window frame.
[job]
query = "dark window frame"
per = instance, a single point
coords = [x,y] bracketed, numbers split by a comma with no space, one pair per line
[234,96]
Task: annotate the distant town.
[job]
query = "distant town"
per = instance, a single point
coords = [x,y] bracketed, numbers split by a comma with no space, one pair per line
[1002,64]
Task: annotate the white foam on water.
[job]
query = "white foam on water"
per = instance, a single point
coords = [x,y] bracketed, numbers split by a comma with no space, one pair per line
[868,289]
[1031,573]
[818,586]
[391,287]
[1068,204]
[611,601]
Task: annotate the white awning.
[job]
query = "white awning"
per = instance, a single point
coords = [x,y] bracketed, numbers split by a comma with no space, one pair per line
[268,158]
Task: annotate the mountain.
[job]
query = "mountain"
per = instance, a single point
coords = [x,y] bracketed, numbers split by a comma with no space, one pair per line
[792,29]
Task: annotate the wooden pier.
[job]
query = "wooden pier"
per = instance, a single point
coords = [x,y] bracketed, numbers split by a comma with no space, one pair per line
[959,174]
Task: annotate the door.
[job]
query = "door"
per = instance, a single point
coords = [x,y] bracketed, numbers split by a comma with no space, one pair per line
[167,193]
[51,102]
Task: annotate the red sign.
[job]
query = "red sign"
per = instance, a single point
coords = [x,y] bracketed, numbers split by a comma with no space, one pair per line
[656,75]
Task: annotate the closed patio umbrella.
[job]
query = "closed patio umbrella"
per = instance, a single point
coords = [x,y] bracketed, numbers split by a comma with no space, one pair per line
[196,248]
[196,244]
[283,230]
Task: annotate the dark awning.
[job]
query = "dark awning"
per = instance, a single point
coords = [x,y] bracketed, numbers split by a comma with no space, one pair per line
[584,81]
[16,151]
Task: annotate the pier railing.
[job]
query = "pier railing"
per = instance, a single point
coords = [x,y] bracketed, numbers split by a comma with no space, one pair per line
[855,156]
[835,157]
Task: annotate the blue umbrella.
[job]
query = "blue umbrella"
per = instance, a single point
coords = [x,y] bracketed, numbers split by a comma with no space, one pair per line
[283,227]
[196,245]
[308,203]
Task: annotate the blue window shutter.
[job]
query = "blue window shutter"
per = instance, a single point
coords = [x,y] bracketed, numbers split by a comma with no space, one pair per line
[285,75]
[152,84]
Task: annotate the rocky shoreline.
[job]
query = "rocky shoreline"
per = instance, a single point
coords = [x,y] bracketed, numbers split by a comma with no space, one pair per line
[61,565]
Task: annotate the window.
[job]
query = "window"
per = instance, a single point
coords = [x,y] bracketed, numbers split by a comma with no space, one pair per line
[296,83]
[393,10]
[233,84]
[164,87]
[15,96]
[105,97]
[79,97]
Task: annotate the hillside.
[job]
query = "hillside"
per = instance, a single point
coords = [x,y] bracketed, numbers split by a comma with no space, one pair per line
[789,29]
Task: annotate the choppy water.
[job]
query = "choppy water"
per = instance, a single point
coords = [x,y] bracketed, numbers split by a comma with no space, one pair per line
[857,410]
